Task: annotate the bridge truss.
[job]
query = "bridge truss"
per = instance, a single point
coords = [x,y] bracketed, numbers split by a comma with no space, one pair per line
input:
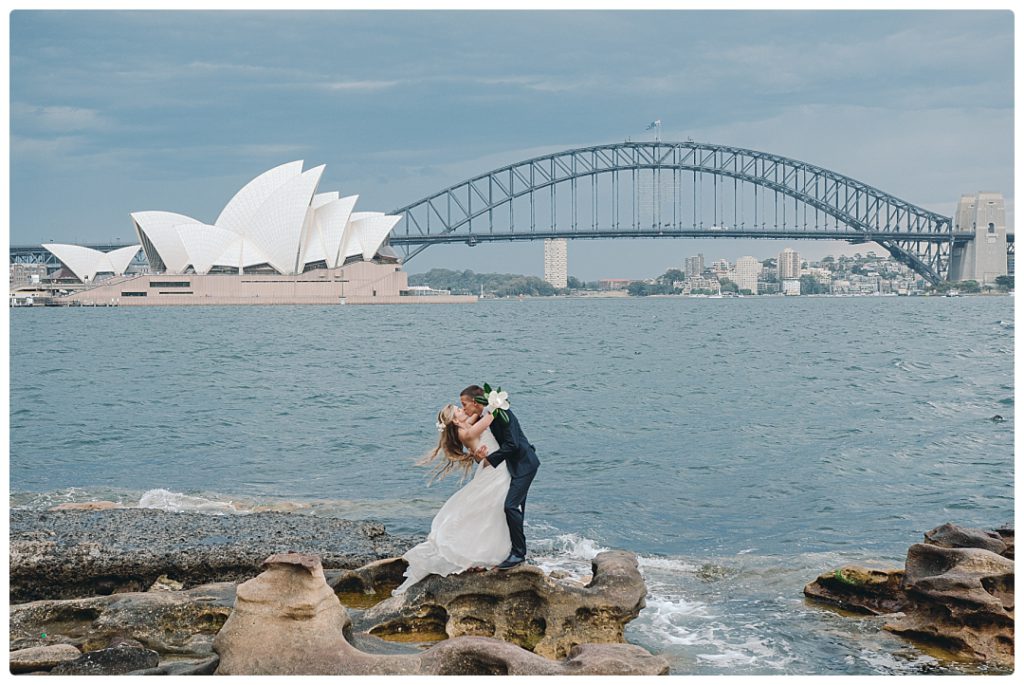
[665,189]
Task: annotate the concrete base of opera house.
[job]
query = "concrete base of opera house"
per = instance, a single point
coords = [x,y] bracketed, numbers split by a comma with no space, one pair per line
[357,283]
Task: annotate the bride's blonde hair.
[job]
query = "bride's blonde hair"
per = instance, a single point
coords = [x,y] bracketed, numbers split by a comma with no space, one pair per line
[448,444]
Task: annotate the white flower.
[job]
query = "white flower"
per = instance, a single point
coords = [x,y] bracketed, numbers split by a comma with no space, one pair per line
[497,400]
[440,427]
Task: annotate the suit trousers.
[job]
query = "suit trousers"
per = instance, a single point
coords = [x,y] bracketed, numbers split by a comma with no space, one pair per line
[515,509]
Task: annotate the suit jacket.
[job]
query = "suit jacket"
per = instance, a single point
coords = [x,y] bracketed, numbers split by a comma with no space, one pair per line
[513,447]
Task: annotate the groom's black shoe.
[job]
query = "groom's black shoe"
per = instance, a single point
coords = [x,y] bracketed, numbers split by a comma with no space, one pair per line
[512,561]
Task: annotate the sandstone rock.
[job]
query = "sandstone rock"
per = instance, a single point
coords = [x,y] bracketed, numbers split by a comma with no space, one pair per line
[165,584]
[1005,533]
[204,667]
[168,622]
[287,621]
[66,554]
[487,656]
[954,536]
[522,606]
[860,589]
[86,506]
[963,601]
[111,661]
[42,658]
[957,593]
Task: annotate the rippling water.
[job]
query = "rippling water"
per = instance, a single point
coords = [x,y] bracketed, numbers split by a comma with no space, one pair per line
[740,447]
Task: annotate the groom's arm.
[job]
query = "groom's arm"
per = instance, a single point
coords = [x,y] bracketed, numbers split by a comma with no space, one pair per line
[507,443]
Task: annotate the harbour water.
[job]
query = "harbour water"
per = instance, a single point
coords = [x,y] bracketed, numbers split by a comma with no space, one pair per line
[740,447]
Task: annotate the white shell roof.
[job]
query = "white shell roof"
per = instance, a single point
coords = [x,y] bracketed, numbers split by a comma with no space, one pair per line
[85,263]
[278,218]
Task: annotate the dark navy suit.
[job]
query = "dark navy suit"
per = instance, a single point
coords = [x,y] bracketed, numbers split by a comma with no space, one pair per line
[516,451]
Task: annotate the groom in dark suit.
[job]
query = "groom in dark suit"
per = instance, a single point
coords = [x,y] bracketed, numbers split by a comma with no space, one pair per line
[516,450]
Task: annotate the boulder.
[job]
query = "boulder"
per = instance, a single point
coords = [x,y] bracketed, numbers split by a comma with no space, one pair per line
[42,658]
[545,615]
[66,554]
[202,667]
[288,621]
[487,656]
[956,537]
[956,593]
[963,601]
[859,589]
[119,660]
[168,622]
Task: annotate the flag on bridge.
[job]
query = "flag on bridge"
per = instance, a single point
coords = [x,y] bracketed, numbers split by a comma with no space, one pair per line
[653,124]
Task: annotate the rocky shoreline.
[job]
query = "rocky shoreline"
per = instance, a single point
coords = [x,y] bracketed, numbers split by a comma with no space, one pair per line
[106,590]
[955,593]
[82,553]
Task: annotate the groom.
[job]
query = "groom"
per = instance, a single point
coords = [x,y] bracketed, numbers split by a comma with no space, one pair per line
[514,448]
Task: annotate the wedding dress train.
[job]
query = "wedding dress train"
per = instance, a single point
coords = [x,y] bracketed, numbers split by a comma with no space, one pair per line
[469,530]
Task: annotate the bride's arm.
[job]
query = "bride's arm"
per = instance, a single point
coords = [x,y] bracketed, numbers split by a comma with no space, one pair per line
[474,431]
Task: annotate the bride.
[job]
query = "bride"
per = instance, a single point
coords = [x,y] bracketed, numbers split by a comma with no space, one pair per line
[470,530]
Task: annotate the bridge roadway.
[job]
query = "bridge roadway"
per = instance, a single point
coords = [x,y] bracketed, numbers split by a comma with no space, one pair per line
[36,254]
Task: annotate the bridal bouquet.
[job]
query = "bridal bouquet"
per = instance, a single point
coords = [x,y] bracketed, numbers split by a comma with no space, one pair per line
[495,402]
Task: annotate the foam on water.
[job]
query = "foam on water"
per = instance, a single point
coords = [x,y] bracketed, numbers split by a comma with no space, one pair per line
[166,500]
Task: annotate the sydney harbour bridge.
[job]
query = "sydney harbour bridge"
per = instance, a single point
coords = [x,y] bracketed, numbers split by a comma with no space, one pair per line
[669,190]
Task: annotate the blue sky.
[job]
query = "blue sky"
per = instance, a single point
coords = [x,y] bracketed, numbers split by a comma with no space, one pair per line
[113,112]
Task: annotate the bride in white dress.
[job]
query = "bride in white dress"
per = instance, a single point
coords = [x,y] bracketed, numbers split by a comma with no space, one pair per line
[470,530]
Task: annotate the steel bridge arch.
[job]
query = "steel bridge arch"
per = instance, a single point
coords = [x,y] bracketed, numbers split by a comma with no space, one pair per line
[915,236]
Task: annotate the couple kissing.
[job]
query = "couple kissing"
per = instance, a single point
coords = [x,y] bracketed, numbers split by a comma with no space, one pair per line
[481,525]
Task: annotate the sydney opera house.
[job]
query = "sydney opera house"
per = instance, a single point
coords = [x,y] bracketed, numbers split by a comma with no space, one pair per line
[277,241]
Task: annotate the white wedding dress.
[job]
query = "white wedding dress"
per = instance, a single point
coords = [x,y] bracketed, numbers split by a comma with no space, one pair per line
[469,530]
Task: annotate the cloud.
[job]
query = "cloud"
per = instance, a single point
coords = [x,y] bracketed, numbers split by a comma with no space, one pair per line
[58,118]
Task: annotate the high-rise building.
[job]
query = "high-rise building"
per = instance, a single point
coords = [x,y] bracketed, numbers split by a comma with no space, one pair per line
[694,266]
[746,273]
[556,262]
[789,264]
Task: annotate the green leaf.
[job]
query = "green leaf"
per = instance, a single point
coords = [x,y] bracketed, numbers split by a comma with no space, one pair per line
[487,389]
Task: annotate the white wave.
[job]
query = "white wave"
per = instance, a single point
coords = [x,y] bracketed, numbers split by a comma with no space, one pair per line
[666,564]
[175,501]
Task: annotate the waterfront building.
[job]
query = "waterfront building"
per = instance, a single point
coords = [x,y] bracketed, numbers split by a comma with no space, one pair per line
[614,283]
[277,241]
[556,262]
[721,266]
[791,286]
[788,264]
[745,274]
[26,274]
[694,266]
[694,283]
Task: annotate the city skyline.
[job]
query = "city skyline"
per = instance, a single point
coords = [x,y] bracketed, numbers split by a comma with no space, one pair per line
[133,111]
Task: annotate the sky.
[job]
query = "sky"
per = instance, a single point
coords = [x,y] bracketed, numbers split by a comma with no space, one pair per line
[119,111]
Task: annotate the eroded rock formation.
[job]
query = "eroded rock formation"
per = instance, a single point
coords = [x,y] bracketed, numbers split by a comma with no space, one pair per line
[287,621]
[523,605]
[956,593]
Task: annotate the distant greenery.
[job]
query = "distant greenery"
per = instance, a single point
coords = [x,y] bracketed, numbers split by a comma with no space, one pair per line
[641,289]
[469,282]
[809,285]
[728,286]
[1004,282]
[962,286]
